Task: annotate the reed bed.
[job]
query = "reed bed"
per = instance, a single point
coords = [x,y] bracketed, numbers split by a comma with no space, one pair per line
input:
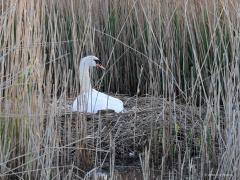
[182,55]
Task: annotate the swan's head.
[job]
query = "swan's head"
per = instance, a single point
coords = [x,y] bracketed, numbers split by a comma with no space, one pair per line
[91,61]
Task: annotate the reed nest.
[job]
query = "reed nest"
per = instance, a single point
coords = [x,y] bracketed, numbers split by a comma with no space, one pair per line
[147,122]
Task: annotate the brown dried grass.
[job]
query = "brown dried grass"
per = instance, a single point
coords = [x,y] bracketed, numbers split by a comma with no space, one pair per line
[187,52]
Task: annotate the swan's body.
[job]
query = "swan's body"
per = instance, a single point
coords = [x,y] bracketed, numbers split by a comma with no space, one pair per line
[90,100]
[93,101]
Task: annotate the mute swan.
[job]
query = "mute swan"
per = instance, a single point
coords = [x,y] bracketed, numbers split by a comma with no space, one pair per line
[90,100]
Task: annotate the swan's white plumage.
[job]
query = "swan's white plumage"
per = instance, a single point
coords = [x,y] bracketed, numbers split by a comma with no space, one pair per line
[94,101]
[90,100]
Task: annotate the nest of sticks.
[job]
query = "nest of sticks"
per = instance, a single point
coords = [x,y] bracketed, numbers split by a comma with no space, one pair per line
[147,122]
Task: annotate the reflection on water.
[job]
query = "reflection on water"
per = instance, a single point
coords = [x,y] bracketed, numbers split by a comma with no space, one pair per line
[120,173]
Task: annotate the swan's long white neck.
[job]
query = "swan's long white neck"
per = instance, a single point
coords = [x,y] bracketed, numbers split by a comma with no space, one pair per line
[85,81]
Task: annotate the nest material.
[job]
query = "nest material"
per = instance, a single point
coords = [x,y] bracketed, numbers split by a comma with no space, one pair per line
[147,118]
[145,121]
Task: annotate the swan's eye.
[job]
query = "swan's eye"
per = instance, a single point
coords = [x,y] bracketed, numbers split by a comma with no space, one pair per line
[98,61]
[99,64]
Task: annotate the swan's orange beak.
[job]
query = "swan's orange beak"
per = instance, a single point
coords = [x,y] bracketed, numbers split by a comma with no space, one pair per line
[100,66]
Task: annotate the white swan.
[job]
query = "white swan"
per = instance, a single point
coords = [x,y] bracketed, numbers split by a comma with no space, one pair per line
[90,100]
